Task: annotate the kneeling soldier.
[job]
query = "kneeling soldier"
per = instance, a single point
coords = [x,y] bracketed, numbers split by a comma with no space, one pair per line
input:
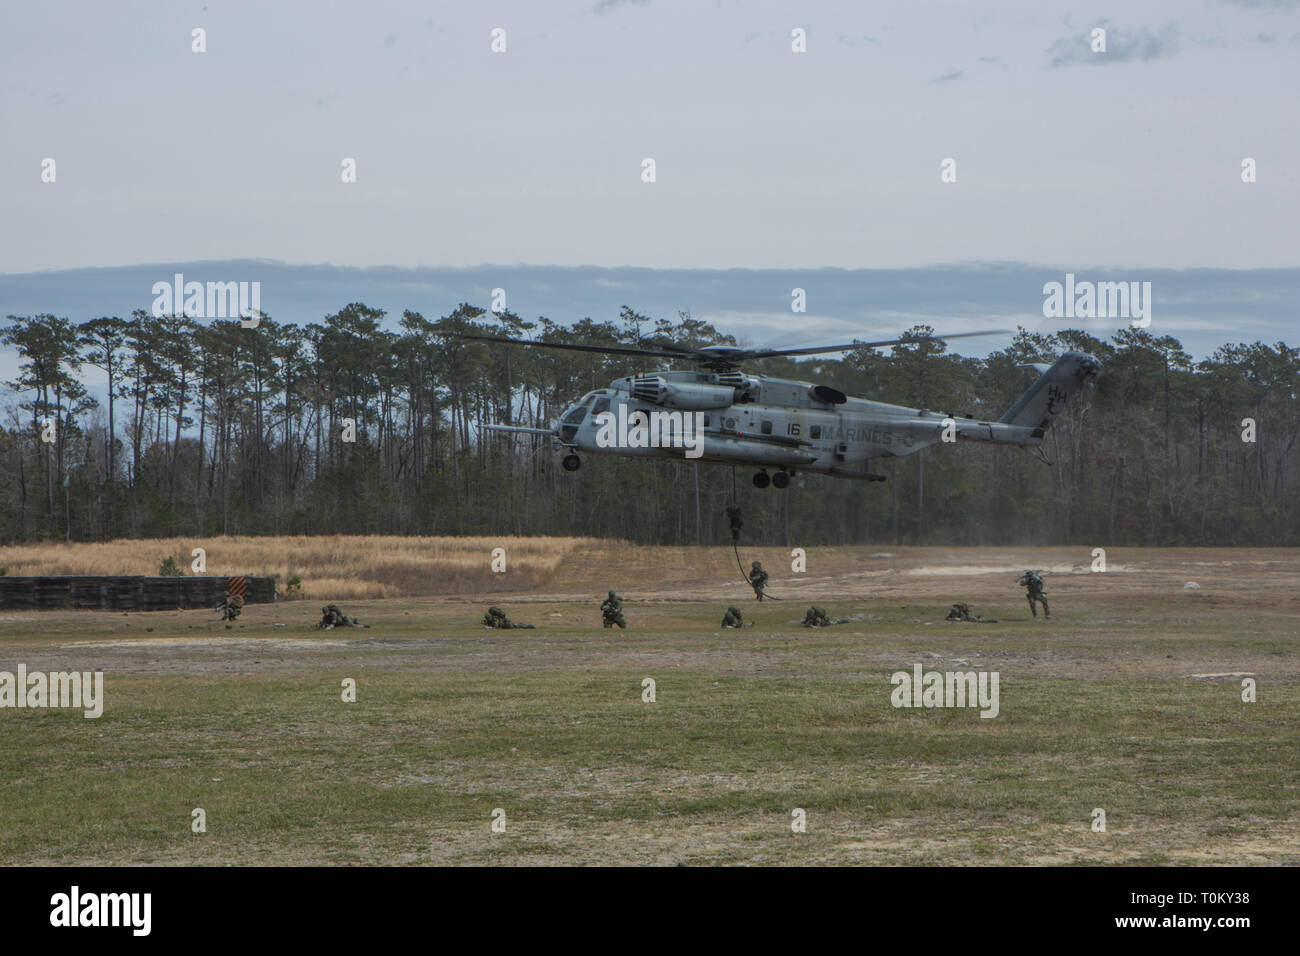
[611,610]
[230,606]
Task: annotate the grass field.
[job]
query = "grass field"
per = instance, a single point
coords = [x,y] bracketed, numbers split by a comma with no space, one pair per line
[1098,709]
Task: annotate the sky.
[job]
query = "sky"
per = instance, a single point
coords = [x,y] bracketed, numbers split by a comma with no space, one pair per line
[1204,308]
[1125,164]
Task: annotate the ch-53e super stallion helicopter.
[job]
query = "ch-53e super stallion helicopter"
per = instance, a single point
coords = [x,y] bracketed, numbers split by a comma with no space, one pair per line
[776,424]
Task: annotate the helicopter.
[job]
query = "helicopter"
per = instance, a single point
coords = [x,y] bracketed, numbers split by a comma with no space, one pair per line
[718,414]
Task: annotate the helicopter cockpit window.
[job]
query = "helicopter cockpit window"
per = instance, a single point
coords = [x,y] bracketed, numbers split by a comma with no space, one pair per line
[575,415]
[602,405]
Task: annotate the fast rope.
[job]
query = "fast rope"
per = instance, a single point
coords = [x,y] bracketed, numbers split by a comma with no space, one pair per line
[735,520]
[745,577]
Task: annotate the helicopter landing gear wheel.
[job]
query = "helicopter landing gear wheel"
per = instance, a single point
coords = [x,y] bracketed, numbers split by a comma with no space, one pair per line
[761,480]
[571,462]
[780,480]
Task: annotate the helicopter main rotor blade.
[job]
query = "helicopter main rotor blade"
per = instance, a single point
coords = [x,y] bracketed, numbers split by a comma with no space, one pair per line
[519,430]
[570,346]
[819,349]
[728,355]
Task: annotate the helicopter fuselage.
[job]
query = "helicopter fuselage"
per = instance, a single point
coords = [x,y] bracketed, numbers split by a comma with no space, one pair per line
[739,419]
[721,415]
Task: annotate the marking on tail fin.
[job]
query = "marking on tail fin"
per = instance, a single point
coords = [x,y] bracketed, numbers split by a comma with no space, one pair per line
[1036,408]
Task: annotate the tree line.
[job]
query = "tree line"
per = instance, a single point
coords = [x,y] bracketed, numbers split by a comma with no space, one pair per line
[345,426]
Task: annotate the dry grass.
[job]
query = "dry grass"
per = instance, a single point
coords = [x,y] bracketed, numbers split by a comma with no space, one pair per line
[332,567]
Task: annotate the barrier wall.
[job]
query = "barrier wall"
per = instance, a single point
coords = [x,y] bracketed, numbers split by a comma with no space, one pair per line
[134,593]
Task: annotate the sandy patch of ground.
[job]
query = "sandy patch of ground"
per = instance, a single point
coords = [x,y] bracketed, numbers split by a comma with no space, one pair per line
[295,642]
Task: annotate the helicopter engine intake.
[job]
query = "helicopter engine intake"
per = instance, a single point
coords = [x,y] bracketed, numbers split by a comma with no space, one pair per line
[826,395]
[684,395]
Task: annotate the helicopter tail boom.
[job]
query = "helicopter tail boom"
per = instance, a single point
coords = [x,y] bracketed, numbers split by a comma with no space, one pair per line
[1047,396]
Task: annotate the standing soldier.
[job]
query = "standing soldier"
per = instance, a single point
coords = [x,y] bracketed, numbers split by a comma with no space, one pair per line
[611,609]
[757,579]
[1034,583]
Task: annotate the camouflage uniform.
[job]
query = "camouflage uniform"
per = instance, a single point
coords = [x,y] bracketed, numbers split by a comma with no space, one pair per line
[331,617]
[230,607]
[1034,583]
[732,618]
[757,579]
[816,617]
[961,612]
[611,609]
[736,522]
[496,618]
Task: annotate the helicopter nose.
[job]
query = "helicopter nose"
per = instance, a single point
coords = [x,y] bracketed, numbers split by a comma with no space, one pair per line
[570,420]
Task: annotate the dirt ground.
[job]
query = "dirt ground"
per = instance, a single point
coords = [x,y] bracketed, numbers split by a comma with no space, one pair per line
[1090,634]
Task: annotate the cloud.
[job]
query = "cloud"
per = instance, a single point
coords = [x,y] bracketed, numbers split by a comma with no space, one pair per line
[1203,308]
[604,6]
[1265,4]
[1122,46]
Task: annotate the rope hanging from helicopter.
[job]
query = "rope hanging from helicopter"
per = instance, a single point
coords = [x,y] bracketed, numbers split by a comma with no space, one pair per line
[734,518]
